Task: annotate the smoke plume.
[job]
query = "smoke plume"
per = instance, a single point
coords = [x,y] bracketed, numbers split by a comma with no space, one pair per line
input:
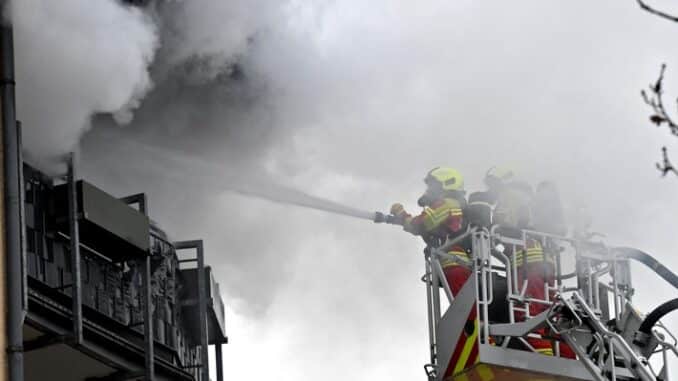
[76,58]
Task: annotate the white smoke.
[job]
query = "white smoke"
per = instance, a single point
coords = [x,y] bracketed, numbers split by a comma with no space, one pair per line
[353,100]
[217,31]
[76,58]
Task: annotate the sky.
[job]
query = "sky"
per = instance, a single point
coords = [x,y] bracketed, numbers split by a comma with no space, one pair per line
[353,101]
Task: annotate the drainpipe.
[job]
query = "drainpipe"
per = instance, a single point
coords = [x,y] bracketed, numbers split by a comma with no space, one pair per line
[12,198]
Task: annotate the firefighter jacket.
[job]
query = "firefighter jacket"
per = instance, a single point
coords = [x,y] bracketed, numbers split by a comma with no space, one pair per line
[442,219]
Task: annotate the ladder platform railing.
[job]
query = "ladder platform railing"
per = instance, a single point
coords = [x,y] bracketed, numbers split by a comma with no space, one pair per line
[583,303]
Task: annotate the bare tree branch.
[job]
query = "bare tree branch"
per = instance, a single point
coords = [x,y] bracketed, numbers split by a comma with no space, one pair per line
[666,165]
[654,98]
[656,12]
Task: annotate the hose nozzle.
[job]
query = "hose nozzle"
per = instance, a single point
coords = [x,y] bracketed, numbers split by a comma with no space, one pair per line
[381,218]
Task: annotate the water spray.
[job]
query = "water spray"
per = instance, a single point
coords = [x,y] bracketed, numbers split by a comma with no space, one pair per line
[290,196]
[251,187]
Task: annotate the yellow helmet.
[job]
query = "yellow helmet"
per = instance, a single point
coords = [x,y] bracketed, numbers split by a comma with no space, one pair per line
[499,175]
[448,179]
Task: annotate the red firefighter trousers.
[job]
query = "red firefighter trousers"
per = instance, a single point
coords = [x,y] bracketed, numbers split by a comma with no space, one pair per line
[537,275]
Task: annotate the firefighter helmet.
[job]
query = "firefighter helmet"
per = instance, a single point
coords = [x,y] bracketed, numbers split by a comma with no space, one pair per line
[446,178]
[499,175]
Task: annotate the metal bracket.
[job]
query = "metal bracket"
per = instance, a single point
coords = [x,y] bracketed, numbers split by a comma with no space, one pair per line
[560,310]
[431,370]
[519,329]
[139,199]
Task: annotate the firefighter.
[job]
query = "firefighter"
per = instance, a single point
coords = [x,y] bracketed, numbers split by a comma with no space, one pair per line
[512,213]
[515,205]
[442,218]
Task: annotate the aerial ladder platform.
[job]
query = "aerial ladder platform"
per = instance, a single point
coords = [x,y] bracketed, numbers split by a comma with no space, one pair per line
[589,310]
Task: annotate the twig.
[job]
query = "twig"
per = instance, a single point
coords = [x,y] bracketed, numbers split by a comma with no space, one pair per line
[666,165]
[656,12]
[655,100]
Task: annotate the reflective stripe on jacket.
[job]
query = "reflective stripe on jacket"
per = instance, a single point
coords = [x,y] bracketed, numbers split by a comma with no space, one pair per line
[443,217]
[459,253]
[533,253]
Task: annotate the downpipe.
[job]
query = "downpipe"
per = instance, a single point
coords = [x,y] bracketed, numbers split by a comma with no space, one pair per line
[13,205]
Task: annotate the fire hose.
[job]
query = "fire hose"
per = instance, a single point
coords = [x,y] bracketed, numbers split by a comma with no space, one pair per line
[645,329]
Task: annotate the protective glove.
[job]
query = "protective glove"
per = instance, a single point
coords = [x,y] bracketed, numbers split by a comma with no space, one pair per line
[397,209]
[398,214]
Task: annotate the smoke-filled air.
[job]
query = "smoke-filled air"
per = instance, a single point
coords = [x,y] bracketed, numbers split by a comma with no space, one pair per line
[203,104]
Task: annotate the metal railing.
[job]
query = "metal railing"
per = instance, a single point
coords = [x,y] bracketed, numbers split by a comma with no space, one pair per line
[587,276]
